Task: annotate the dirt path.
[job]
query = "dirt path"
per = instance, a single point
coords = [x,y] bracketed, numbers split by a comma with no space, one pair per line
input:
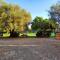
[29,49]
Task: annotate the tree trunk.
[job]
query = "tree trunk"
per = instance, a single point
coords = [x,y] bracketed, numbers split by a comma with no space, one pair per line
[14,33]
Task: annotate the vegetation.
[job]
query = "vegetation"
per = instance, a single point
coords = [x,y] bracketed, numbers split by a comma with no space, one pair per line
[54,12]
[42,24]
[13,18]
[44,27]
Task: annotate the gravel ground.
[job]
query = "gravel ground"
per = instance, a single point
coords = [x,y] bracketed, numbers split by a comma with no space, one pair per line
[50,50]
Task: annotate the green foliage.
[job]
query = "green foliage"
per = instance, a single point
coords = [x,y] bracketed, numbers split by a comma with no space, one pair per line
[43,24]
[36,22]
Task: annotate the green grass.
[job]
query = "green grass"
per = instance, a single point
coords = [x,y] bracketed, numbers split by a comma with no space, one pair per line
[29,34]
[6,35]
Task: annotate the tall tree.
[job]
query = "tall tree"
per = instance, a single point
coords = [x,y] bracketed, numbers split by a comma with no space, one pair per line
[54,12]
[13,17]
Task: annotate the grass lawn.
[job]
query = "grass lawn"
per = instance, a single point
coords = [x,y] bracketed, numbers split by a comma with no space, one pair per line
[28,34]
[6,35]
[31,34]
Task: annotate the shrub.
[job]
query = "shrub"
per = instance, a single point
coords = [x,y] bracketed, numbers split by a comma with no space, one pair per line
[43,33]
[24,35]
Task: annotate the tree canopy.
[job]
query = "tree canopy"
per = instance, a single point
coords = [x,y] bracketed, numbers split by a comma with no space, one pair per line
[54,12]
[42,24]
[13,17]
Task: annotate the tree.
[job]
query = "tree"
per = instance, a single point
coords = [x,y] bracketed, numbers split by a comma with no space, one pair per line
[36,23]
[13,18]
[44,27]
[43,24]
[26,18]
[54,12]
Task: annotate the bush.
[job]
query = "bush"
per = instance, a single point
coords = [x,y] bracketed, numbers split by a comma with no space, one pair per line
[24,35]
[43,33]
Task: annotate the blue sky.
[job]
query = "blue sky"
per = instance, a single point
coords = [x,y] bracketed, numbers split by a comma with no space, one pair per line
[35,7]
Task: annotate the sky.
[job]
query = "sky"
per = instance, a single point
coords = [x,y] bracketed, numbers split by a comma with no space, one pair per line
[35,7]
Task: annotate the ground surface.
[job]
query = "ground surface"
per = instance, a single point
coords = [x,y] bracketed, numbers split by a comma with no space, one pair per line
[29,49]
